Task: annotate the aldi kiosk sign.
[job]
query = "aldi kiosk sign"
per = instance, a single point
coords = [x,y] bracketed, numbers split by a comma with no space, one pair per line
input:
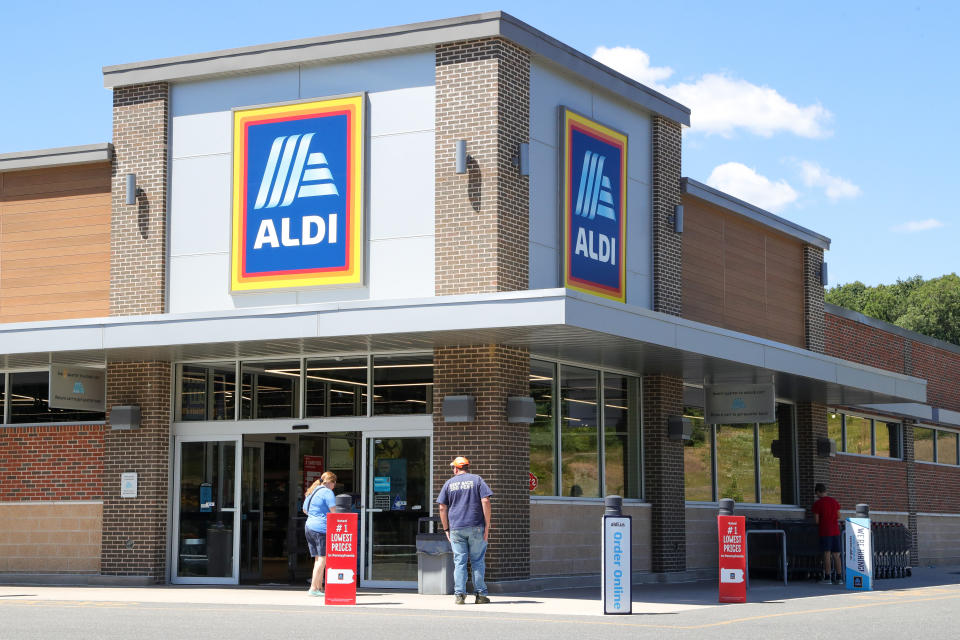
[859,554]
[732,534]
[298,195]
[341,578]
[594,203]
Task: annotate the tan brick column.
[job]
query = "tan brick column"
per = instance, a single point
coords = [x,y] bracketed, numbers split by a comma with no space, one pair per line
[663,471]
[667,246]
[814,324]
[138,235]
[482,246]
[498,451]
[134,538]
[482,216]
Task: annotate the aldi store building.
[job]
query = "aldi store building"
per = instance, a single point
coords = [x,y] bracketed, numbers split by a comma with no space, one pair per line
[369,253]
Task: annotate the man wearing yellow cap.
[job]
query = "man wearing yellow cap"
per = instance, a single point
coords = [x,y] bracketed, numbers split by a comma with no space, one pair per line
[464,505]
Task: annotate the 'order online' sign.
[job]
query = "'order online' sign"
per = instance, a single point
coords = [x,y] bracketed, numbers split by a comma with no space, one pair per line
[298,195]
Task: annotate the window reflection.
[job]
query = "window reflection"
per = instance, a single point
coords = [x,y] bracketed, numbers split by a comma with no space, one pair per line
[270,389]
[542,432]
[208,391]
[923,440]
[336,387]
[402,384]
[946,447]
[579,444]
[621,468]
[858,435]
[698,457]
[736,470]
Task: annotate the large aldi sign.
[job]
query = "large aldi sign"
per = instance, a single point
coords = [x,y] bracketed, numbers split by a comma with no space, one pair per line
[594,203]
[298,195]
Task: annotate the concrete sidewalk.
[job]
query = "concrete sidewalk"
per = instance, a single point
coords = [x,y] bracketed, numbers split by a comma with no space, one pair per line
[647,599]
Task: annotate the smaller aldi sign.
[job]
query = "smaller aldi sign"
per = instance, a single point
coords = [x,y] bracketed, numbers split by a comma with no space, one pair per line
[298,195]
[594,205]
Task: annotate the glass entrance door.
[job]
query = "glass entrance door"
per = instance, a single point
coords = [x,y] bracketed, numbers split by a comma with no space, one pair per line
[206,532]
[397,495]
[251,503]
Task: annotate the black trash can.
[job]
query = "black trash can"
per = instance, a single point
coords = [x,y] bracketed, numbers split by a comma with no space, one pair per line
[434,559]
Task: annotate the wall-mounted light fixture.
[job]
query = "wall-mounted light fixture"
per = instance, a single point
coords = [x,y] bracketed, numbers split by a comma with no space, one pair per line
[678,219]
[461,156]
[679,428]
[521,409]
[131,188]
[823,274]
[522,160]
[826,447]
[125,418]
[459,408]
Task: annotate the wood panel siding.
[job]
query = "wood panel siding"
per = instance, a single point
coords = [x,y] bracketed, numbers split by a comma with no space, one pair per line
[740,275]
[55,243]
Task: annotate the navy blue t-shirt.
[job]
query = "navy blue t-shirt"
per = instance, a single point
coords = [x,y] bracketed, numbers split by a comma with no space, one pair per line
[462,494]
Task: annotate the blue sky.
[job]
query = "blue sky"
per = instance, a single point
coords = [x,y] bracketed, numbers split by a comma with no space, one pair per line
[837,116]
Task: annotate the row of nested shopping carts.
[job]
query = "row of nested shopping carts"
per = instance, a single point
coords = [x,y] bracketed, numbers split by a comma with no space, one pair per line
[891,549]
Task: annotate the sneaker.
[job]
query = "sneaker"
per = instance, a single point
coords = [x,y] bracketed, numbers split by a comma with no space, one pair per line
[482,599]
[460,599]
[838,581]
[314,593]
[826,581]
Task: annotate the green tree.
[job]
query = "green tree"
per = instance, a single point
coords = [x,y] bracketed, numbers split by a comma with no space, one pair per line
[930,307]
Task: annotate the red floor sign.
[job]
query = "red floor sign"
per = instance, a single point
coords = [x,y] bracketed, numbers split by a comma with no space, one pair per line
[341,559]
[732,534]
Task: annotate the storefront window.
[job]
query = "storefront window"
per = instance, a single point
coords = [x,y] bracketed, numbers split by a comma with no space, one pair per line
[208,391]
[579,443]
[772,482]
[698,457]
[542,430]
[858,435]
[270,389]
[336,387]
[835,428]
[946,447]
[29,393]
[886,438]
[923,440]
[621,437]
[402,384]
[736,469]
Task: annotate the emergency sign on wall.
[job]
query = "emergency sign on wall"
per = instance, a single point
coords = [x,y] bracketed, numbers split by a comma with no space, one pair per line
[298,195]
[594,206]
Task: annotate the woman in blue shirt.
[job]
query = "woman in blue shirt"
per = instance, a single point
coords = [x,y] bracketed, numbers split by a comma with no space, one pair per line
[318,503]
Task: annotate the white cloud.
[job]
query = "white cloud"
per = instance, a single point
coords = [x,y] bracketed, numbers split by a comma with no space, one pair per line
[745,183]
[632,62]
[721,104]
[917,225]
[836,188]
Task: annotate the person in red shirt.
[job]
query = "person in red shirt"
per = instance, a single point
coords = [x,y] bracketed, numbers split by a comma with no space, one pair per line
[826,511]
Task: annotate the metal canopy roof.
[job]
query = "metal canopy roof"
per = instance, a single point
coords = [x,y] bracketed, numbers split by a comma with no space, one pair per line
[554,323]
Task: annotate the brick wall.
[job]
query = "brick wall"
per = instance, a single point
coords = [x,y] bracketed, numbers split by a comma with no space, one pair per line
[811,468]
[866,344]
[138,233]
[813,320]
[880,483]
[663,473]
[665,192]
[51,463]
[498,451]
[482,219]
[938,488]
[135,529]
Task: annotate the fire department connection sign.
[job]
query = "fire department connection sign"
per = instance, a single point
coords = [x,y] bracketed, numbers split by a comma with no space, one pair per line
[298,195]
[594,204]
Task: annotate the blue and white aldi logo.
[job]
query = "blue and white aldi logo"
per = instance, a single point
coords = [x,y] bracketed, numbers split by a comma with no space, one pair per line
[594,206]
[298,195]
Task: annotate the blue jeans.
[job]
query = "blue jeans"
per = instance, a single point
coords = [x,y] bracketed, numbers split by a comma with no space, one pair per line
[468,542]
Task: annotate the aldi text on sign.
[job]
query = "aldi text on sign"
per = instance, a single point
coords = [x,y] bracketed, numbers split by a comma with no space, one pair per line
[594,205]
[732,534]
[298,195]
[617,566]
[341,571]
[858,560]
